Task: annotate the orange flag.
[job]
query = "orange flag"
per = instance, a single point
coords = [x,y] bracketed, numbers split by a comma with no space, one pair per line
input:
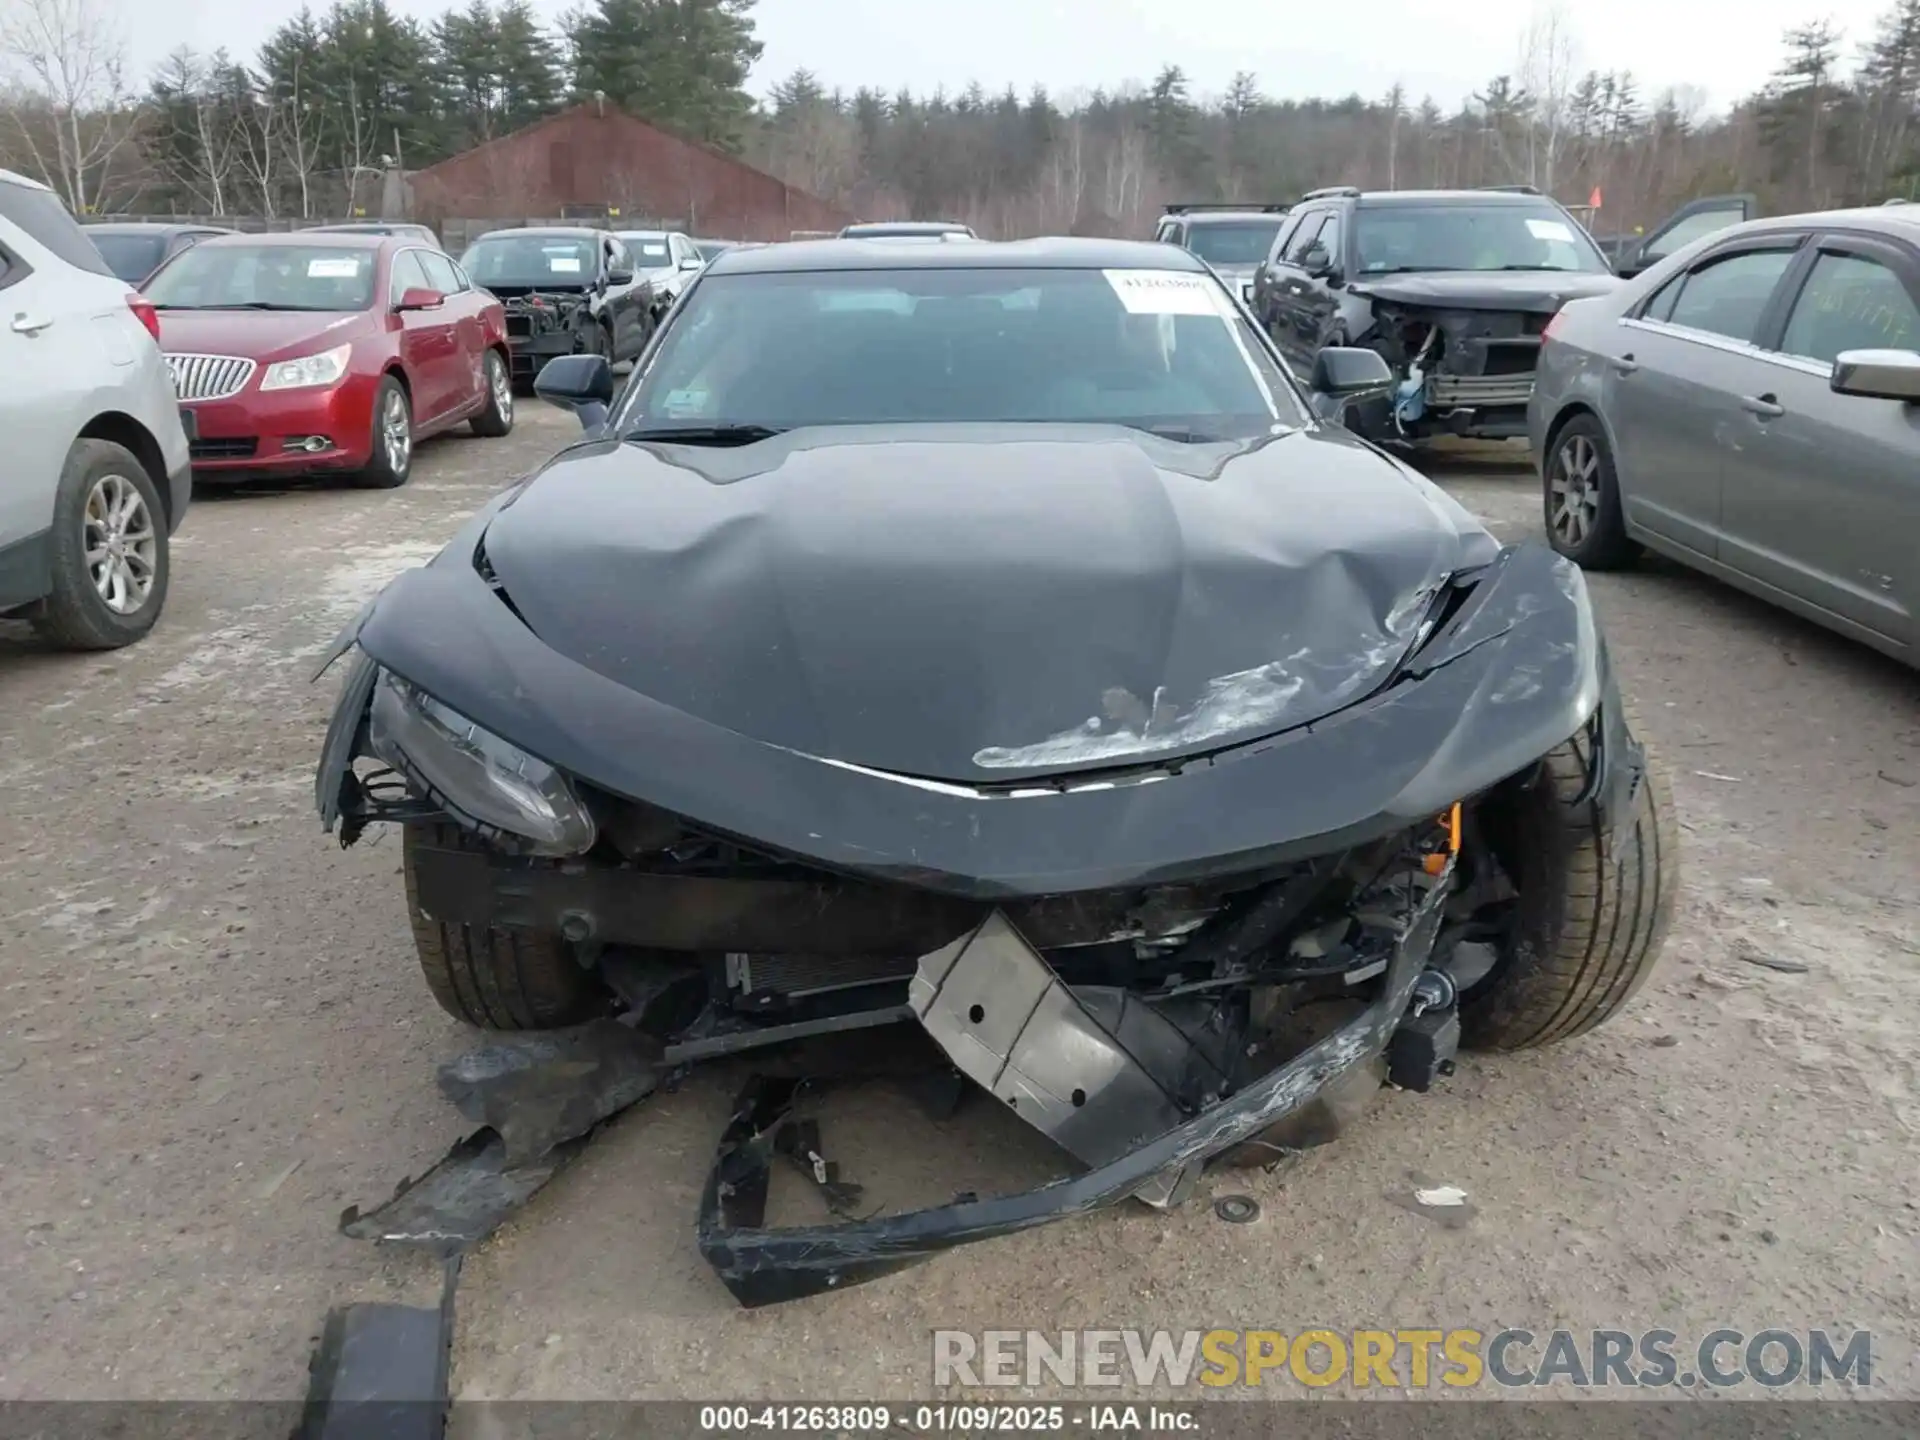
[1594,198]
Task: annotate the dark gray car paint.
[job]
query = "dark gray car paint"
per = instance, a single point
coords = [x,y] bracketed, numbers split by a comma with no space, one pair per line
[974,603]
[1517,671]
[1536,292]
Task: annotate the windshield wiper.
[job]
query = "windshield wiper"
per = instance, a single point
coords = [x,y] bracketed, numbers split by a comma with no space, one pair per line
[707,434]
[243,305]
[1555,269]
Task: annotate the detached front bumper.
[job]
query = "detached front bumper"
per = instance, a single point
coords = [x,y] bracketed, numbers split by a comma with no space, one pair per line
[765,1266]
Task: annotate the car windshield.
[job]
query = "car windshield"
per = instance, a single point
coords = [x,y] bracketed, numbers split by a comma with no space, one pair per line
[1158,350]
[131,257]
[1244,242]
[1467,236]
[649,250]
[217,276]
[533,261]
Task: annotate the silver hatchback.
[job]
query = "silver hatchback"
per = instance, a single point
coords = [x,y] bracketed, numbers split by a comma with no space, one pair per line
[1751,407]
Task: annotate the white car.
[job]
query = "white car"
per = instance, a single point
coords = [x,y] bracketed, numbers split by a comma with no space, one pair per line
[98,467]
[665,260]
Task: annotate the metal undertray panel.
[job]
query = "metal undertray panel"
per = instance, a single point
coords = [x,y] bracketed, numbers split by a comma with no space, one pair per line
[1009,1024]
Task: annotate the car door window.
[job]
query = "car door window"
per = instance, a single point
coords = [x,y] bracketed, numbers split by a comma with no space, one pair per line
[1851,302]
[11,270]
[1689,228]
[440,272]
[1169,233]
[1660,307]
[1728,296]
[1329,236]
[407,275]
[1308,232]
[1280,237]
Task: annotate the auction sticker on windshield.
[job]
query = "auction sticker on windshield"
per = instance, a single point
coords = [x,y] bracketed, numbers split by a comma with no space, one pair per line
[1163,292]
[564,264]
[1550,230]
[342,268]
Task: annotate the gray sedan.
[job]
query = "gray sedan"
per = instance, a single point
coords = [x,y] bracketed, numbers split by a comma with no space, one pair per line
[1751,407]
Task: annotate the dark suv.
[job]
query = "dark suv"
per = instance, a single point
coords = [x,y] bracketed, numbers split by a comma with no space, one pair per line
[1232,238]
[1452,287]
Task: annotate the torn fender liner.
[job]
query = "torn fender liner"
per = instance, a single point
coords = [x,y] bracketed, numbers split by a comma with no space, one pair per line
[460,1201]
[536,1091]
[538,1097]
[762,1266]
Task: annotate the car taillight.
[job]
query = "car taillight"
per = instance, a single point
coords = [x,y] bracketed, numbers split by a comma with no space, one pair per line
[144,312]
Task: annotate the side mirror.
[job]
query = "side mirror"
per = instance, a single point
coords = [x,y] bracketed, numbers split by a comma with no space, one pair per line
[619,277]
[1878,375]
[1350,372]
[419,297]
[1317,261]
[692,262]
[580,383]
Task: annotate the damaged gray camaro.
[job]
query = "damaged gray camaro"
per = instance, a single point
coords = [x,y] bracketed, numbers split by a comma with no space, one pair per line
[995,644]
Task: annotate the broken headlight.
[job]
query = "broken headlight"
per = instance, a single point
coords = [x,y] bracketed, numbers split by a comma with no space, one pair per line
[475,773]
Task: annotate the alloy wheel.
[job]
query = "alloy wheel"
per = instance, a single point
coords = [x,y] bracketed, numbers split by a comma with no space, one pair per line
[1573,489]
[120,542]
[396,432]
[501,384]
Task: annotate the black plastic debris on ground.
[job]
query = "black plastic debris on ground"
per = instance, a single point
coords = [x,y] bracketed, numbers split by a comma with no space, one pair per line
[381,1372]
[538,1099]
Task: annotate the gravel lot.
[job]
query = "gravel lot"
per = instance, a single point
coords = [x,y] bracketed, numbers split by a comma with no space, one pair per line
[215,1038]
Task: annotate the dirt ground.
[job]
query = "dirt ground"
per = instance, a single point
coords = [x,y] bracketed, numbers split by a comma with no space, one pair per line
[213,1038]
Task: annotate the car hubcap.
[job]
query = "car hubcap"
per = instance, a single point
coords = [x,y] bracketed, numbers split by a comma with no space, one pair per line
[397,429]
[121,544]
[1574,492]
[501,386]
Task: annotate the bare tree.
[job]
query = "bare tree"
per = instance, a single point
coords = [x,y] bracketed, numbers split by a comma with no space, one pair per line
[301,126]
[68,65]
[1548,57]
[258,149]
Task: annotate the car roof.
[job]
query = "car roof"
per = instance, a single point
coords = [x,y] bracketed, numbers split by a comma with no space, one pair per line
[552,232]
[645,234]
[1053,253]
[1214,217]
[1902,219]
[904,227]
[365,227]
[154,227]
[345,239]
[1383,198]
[14,177]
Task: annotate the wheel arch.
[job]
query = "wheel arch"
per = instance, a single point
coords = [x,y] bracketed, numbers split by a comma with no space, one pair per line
[118,428]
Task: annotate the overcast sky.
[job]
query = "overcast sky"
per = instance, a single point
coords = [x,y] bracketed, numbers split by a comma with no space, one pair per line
[1444,47]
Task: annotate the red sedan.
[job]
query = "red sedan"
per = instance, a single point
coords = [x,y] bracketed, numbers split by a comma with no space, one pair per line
[327,353]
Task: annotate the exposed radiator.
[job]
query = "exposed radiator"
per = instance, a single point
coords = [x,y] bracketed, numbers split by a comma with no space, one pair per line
[1447,391]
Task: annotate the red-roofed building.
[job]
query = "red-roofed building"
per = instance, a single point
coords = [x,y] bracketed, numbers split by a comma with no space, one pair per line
[594,155]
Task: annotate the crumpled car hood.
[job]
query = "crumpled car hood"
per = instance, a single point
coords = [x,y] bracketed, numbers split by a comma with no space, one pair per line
[978,604]
[1535,291]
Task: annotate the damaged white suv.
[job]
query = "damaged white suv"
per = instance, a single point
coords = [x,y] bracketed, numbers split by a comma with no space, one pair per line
[98,468]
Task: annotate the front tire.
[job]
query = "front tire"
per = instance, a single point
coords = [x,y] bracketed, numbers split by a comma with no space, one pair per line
[392,459]
[1594,906]
[1580,490]
[109,557]
[494,978]
[497,419]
